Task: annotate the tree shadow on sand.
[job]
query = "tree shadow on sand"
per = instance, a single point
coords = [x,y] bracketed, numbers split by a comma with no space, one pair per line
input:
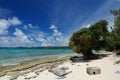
[76,59]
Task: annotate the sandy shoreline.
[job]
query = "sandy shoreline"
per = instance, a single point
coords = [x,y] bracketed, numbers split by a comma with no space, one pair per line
[39,70]
[31,65]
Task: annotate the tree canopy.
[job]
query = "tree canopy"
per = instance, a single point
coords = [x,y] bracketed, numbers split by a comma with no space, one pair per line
[86,39]
[96,36]
[116,28]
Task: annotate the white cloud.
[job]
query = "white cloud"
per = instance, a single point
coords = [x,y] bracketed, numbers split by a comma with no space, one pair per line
[25,27]
[5,24]
[4,40]
[30,26]
[41,39]
[56,33]
[53,27]
[63,41]
[55,39]
[55,30]
[21,37]
[44,44]
[14,21]
[87,26]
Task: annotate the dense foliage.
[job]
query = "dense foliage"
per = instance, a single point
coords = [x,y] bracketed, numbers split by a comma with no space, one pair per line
[96,37]
[116,30]
[86,39]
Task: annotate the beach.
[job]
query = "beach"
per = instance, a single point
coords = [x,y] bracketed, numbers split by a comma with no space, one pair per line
[39,70]
[59,40]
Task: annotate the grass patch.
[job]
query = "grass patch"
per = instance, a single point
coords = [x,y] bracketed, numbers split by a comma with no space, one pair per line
[118,62]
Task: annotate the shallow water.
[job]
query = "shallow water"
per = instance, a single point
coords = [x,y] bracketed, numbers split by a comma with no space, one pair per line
[11,56]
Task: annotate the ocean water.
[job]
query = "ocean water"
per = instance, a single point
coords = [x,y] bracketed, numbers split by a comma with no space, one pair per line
[12,56]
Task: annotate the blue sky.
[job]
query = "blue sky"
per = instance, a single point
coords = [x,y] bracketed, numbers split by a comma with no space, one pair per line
[49,22]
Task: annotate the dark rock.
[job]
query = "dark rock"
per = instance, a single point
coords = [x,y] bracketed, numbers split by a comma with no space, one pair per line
[76,59]
[87,64]
[117,72]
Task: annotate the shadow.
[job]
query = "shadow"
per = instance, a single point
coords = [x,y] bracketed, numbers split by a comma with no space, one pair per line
[76,59]
[100,56]
[117,53]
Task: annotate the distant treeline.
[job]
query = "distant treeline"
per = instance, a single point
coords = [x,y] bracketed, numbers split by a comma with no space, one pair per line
[48,47]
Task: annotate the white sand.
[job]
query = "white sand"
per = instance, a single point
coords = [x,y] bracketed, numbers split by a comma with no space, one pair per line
[107,65]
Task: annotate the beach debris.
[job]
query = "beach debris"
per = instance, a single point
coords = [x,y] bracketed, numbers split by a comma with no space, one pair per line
[87,64]
[64,68]
[30,75]
[72,64]
[78,65]
[60,72]
[76,58]
[37,73]
[93,70]
[117,72]
[13,77]
[118,53]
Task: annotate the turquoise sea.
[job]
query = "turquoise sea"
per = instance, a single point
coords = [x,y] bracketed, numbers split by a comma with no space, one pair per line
[11,56]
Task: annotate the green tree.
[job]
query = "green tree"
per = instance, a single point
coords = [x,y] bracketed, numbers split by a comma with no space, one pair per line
[86,39]
[116,30]
[98,33]
[110,41]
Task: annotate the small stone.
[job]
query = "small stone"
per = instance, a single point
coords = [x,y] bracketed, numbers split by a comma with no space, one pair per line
[64,68]
[117,72]
[37,73]
[72,64]
[78,65]
[87,64]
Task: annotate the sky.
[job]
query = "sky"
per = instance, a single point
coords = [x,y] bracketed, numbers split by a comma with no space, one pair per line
[31,23]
